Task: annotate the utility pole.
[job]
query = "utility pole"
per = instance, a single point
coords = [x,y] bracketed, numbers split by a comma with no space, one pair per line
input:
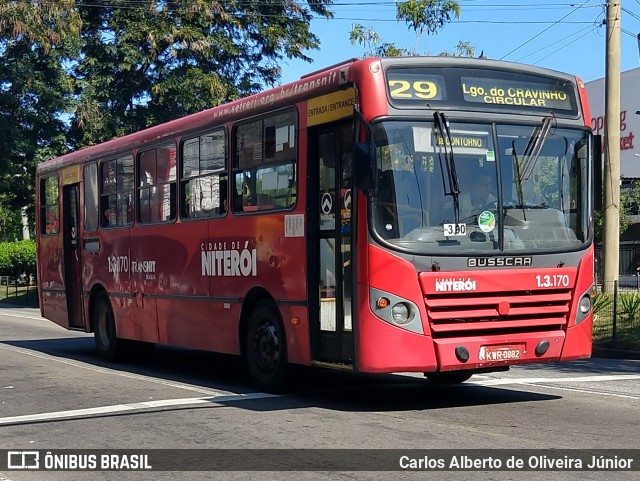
[612,148]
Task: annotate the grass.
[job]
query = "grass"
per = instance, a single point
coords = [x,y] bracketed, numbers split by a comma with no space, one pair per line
[627,321]
[23,295]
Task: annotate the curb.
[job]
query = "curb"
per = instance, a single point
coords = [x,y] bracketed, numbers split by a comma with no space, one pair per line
[605,353]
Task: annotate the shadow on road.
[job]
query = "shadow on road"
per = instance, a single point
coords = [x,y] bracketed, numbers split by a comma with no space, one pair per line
[312,387]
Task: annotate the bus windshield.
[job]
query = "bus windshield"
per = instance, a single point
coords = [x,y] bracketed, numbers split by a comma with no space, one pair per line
[516,187]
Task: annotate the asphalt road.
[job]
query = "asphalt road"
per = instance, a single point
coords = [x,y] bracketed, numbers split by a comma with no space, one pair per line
[56,393]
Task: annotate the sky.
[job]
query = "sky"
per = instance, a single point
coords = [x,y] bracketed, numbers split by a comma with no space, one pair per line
[560,35]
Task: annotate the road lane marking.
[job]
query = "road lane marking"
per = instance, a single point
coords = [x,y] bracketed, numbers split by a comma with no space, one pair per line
[586,391]
[21,315]
[547,383]
[139,406]
[545,380]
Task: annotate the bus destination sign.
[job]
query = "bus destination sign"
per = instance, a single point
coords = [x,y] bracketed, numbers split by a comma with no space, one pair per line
[480,89]
[523,94]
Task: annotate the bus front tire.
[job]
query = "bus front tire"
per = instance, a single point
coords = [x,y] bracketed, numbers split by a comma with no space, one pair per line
[104,326]
[265,348]
[448,377]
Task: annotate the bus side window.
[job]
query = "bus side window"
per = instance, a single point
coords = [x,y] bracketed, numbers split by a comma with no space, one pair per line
[49,210]
[92,215]
[157,184]
[265,162]
[203,176]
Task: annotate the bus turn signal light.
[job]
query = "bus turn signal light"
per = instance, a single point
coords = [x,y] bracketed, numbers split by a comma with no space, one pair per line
[382,303]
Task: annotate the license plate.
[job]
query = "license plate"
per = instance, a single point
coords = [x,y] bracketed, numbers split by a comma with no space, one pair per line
[511,352]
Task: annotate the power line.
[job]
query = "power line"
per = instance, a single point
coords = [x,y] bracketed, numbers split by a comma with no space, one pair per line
[555,43]
[549,27]
[564,46]
[634,15]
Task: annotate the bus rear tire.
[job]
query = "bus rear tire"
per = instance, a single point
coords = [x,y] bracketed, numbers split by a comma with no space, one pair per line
[266,348]
[104,326]
[448,377]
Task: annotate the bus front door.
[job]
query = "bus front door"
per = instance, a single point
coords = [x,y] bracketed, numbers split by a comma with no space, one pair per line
[330,275]
[72,252]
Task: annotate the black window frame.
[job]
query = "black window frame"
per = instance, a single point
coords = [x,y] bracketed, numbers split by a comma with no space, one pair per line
[142,185]
[46,207]
[248,161]
[124,217]
[188,213]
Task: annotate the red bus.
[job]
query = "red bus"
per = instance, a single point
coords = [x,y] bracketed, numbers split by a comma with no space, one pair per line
[423,214]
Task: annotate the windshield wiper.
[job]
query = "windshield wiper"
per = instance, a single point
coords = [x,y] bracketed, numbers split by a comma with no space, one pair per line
[534,147]
[442,125]
[530,157]
[518,179]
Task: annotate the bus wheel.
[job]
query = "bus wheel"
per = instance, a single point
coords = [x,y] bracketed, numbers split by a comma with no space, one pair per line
[265,348]
[448,377]
[104,327]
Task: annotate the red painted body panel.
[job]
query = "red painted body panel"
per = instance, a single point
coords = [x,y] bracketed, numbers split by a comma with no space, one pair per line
[53,300]
[447,360]
[584,102]
[579,338]
[383,347]
[504,307]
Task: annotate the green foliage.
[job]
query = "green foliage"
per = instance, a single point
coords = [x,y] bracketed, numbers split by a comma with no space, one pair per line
[629,305]
[46,24]
[629,198]
[10,223]
[370,39]
[601,302]
[427,15]
[462,49]
[36,39]
[146,64]
[75,73]
[17,258]
[421,16]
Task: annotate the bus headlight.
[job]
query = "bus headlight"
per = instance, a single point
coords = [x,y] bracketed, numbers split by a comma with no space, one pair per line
[400,313]
[395,310]
[584,307]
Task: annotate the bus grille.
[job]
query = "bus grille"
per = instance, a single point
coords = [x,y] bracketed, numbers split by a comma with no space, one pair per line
[489,313]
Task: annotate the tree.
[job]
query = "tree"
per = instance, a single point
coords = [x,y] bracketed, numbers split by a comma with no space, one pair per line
[421,16]
[77,72]
[148,63]
[34,91]
[463,49]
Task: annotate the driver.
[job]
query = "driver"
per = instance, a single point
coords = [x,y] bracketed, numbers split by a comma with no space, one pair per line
[477,199]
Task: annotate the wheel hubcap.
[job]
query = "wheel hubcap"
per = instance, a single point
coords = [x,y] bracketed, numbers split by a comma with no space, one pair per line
[104,324]
[266,347]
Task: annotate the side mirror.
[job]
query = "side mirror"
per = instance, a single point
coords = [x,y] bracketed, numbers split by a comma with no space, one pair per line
[597,172]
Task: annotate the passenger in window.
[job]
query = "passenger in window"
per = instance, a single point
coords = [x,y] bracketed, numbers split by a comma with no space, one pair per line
[222,207]
[106,221]
[478,197]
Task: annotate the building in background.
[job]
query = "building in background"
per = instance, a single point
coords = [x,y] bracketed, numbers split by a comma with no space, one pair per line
[629,119]
[629,154]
